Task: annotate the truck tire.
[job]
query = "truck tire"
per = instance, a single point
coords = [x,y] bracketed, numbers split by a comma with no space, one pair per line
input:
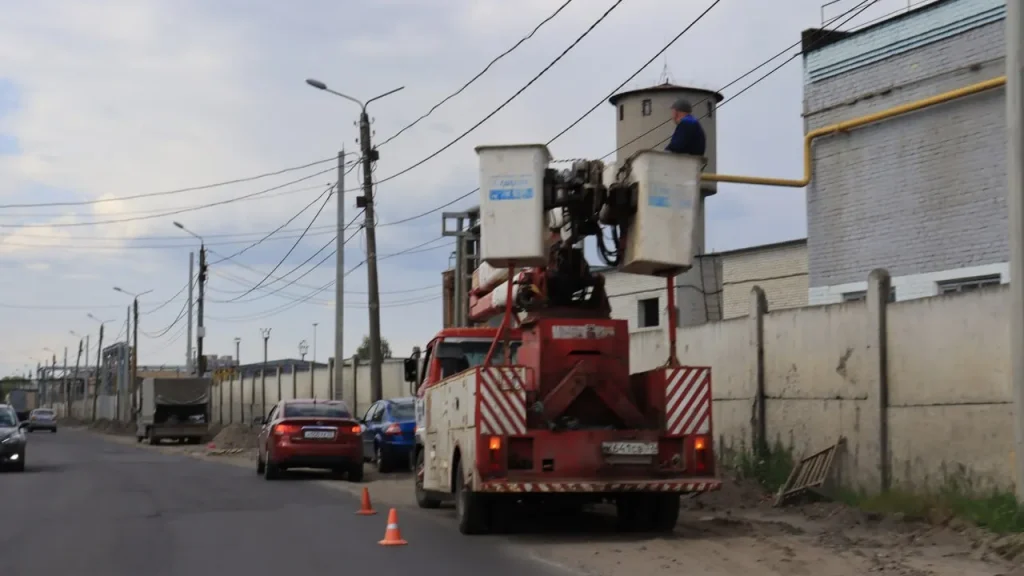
[634,512]
[665,513]
[422,499]
[471,508]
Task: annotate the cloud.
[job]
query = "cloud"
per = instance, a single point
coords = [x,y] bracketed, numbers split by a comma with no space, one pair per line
[115,97]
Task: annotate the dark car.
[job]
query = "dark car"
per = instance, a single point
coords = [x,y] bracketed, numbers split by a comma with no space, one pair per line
[389,433]
[42,419]
[12,440]
[310,434]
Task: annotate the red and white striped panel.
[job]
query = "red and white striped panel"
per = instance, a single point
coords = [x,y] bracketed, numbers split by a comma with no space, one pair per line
[502,401]
[560,487]
[688,400]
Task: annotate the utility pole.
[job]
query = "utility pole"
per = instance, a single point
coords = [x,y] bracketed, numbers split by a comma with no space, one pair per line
[200,329]
[67,393]
[231,391]
[64,373]
[369,157]
[265,332]
[135,353]
[188,345]
[339,279]
[85,380]
[1015,170]
[99,363]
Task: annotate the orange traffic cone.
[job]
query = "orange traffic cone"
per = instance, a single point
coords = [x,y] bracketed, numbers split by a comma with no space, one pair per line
[393,536]
[366,509]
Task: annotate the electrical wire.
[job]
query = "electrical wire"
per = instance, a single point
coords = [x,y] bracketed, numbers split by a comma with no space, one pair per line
[287,254]
[859,8]
[252,245]
[163,331]
[170,192]
[509,100]
[479,74]
[188,284]
[637,73]
[169,213]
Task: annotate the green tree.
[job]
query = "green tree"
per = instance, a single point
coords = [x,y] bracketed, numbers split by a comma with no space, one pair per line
[363,352]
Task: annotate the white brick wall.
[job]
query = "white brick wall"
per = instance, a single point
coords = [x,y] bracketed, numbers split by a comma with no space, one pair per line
[921,194]
[779,269]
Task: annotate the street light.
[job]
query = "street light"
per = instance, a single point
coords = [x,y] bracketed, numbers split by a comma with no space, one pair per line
[303,349]
[369,156]
[201,281]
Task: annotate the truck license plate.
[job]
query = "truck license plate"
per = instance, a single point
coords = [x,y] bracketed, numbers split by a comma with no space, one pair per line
[630,448]
[318,434]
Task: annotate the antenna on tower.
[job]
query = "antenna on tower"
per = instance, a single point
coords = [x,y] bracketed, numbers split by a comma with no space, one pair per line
[665,78]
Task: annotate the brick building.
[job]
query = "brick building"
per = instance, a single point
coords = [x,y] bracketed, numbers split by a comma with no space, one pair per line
[924,194]
[780,269]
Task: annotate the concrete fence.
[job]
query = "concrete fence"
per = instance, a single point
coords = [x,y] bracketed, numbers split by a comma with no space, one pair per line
[919,389]
[242,399]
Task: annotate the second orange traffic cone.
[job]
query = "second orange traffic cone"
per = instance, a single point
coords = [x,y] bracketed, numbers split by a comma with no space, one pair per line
[393,536]
[366,509]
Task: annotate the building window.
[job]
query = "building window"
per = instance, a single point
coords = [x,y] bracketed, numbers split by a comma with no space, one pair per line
[968,284]
[645,107]
[861,295]
[647,314]
[622,112]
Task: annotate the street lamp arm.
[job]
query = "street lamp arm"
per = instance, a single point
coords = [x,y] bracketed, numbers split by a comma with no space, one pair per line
[388,93]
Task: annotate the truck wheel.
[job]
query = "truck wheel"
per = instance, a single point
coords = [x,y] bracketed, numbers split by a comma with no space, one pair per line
[665,513]
[471,509]
[422,499]
[635,512]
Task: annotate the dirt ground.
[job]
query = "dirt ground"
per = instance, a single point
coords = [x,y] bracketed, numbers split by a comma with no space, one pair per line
[732,532]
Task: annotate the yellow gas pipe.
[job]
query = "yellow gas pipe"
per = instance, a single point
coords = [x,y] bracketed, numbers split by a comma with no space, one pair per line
[856,123]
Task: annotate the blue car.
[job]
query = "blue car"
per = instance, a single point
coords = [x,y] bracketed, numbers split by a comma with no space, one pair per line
[389,432]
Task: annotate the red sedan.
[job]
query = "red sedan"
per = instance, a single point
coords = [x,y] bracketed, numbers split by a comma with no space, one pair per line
[310,434]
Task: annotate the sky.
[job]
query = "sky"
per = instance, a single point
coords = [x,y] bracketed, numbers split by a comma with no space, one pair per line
[108,99]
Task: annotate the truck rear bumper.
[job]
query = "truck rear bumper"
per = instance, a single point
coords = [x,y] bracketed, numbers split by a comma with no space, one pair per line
[680,486]
[160,431]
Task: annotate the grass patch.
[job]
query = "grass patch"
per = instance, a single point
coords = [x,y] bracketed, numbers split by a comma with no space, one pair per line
[770,470]
[996,511]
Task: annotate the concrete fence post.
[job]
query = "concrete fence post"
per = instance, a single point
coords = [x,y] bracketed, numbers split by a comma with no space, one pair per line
[879,286]
[755,321]
[295,381]
[355,384]
[335,389]
[278,399]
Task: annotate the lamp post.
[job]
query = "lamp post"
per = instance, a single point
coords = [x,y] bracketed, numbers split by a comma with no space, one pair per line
[369,156]
[200,329]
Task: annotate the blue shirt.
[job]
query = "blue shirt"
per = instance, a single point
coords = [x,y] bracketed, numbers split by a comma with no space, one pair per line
[688,137]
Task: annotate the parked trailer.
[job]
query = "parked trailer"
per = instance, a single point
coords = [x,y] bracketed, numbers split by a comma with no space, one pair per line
[24,401]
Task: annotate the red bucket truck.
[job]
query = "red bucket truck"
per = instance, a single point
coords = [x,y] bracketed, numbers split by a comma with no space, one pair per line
[543,405]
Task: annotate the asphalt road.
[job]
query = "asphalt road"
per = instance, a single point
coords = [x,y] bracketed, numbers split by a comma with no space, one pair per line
[86,505]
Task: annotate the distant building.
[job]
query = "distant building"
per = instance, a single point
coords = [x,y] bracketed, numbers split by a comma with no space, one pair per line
[922,195]
[723,285]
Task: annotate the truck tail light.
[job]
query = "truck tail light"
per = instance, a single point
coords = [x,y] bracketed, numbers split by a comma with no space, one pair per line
[702,457]
[495,457]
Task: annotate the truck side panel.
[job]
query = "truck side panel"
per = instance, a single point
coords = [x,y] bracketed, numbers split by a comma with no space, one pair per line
[450,410]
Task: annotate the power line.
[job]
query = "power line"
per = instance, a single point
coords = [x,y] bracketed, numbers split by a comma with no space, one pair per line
[169,213]
[509,100]
[163,331]
[637,73]
[290,250]
[278,229]
[188,284]
[185,244]
[170,192]
[481,73]
[859,8]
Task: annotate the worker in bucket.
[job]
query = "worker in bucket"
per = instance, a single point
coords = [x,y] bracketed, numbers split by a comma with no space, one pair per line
[688,137]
